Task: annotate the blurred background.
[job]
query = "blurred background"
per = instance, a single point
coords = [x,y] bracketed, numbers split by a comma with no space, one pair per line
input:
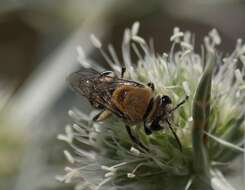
[38,41]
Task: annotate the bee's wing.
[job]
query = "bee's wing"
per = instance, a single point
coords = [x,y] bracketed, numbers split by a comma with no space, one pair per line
[90,84]
[83,81]
[98,89]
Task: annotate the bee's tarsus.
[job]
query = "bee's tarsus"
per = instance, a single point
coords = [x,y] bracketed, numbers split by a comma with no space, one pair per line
[147,130]
[102,115]
[134,139]
[96,116]
[175,136]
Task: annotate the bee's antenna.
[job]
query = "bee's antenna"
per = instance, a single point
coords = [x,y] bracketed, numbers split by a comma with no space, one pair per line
[179,104]
[175,135]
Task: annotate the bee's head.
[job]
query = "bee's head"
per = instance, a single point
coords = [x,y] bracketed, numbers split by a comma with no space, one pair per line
[165,100]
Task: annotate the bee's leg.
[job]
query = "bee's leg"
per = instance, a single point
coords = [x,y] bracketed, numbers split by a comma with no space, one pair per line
[155,126]
[134,139]
[123,71]
[147,129]
[151,85]
[102,115]
[175,135]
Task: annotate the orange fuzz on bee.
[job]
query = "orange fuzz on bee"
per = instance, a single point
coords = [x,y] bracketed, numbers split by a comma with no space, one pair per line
[132,100]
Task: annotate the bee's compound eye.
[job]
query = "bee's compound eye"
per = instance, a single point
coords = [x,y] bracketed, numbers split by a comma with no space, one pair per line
[166,100]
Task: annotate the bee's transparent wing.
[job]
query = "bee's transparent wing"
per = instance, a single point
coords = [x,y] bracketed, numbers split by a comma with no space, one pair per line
[83,81]
[97,88]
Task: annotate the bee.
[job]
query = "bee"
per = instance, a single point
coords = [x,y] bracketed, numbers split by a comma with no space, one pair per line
[129,100]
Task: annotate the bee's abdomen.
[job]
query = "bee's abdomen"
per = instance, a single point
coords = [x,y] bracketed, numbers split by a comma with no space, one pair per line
[132,101]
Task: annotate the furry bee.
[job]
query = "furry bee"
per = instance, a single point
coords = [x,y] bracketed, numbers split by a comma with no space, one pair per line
[129,100]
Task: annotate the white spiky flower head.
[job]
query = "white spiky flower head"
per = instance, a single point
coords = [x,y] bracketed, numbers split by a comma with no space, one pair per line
[210,124]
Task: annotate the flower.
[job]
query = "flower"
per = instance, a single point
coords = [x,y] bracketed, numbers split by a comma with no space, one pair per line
[210,124]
